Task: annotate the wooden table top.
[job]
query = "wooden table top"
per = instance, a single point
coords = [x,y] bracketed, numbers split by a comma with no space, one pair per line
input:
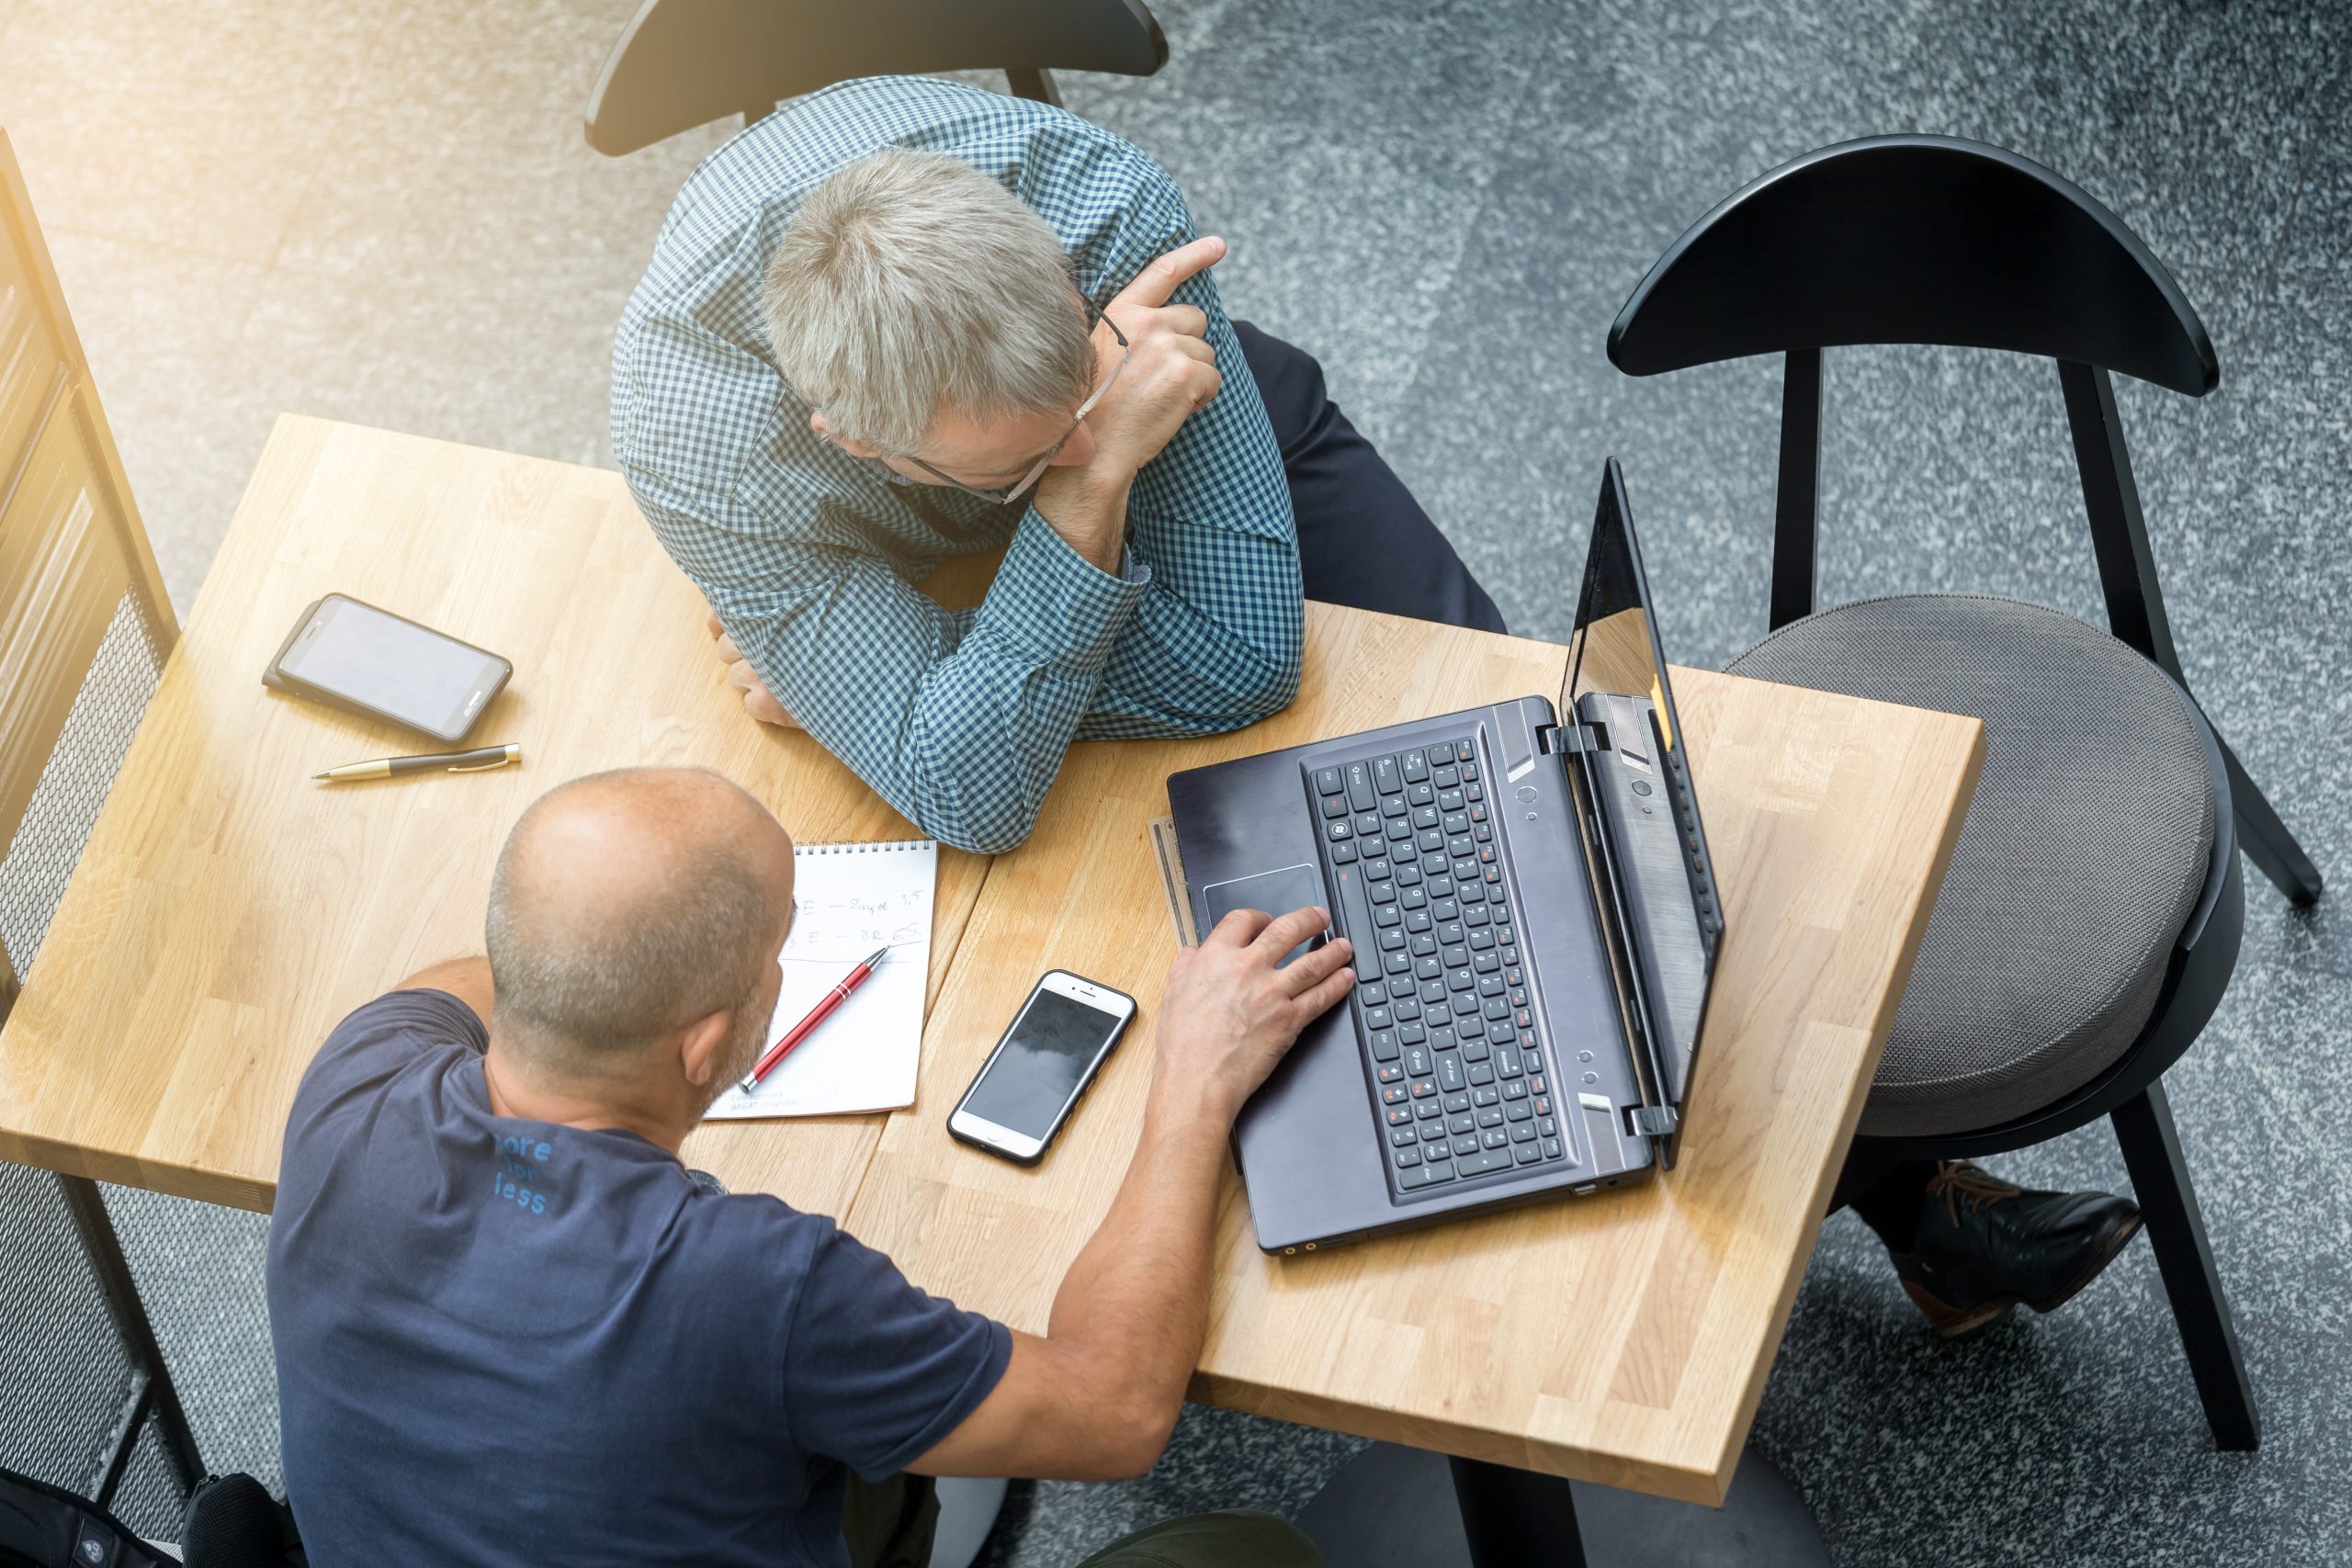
[227,911]
[1623,1338]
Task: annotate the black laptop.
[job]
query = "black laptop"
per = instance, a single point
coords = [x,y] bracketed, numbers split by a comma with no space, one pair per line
[1535,927]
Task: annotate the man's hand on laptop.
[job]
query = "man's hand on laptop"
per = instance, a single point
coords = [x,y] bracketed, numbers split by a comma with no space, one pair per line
[1229,1014]
[757,700]
[1171,374]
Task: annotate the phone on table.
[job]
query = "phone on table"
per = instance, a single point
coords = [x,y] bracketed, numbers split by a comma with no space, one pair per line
[372,663]
[1044,1062]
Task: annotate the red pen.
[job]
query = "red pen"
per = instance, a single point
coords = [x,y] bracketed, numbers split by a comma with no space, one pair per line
[817,1015]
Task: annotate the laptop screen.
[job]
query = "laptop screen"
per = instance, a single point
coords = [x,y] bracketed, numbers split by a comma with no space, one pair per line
[1616,642]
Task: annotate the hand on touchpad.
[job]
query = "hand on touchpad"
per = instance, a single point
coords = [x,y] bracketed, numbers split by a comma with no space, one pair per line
[1276,892]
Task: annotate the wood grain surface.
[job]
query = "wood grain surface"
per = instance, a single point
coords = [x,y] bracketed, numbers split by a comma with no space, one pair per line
[228,911]
[1623,1337]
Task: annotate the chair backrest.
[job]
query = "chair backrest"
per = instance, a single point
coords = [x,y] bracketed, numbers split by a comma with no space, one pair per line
[1929,239]
[1919,240]
[681,64]
[76,573]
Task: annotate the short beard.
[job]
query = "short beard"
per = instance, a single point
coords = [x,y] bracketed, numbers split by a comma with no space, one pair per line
[743,1055]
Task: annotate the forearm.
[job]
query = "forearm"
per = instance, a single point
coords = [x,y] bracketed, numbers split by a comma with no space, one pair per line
[1135,1300]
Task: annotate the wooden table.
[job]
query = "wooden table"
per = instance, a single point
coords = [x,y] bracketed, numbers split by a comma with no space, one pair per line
[227,912]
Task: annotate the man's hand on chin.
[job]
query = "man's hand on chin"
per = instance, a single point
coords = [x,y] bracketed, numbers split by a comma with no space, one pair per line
[757,700]
[1171,374]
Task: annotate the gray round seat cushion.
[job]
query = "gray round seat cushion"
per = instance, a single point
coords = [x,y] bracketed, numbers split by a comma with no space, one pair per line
[2082,854]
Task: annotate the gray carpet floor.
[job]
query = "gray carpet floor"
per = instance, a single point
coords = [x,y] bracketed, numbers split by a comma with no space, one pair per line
[385,213]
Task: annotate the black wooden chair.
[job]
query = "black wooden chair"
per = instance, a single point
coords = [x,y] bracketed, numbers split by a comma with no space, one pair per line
[681,64]
[2092,910]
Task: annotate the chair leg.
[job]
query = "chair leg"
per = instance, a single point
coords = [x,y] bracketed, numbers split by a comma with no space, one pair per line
[2266,839]
[2160,1181]
[156,1392]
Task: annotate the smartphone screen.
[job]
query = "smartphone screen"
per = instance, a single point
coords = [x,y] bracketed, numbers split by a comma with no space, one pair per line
[403,671]
[1042,1062]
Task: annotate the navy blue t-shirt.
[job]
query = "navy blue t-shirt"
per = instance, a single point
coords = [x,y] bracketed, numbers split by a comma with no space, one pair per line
[507,1342]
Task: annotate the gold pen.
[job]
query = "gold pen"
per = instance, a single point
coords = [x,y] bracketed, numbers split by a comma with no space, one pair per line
[479,761]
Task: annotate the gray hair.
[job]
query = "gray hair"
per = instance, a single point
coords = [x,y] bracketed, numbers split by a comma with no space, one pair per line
[908,280]
[583,991]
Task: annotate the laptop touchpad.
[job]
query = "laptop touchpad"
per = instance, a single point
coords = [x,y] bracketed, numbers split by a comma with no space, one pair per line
[1276,892]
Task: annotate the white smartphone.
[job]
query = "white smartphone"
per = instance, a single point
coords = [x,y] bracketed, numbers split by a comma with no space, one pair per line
[1044,1062]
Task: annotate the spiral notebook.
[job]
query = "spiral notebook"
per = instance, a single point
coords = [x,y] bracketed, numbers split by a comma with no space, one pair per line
[849,899]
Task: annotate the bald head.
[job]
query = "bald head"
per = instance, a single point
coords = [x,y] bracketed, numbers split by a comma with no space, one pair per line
[627,905]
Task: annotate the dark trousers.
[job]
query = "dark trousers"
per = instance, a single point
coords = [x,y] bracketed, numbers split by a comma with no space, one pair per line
[889,1525]
[1363,541]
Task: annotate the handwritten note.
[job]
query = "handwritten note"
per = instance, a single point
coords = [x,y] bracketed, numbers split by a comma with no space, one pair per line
[849,899]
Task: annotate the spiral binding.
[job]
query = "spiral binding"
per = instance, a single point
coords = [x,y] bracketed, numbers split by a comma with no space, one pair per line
[862,848]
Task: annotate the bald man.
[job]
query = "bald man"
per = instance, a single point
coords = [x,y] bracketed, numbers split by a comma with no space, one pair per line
[511,1328]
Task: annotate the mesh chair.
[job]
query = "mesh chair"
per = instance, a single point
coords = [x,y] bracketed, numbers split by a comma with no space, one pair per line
[2093,909]
[84,628]
[681,64]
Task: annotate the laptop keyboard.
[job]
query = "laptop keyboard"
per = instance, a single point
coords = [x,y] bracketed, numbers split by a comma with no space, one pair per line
[1441,999]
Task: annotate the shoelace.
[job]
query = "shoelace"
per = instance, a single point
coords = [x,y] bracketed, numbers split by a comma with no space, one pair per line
[1956,1179]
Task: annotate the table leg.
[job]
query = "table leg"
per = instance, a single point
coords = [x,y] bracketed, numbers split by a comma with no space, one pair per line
[1397,1507]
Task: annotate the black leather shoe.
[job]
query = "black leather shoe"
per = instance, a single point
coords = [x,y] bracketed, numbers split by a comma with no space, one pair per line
[1984,1246]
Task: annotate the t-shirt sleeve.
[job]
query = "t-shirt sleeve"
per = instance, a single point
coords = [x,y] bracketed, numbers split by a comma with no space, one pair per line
[876,1372]
[378,1040]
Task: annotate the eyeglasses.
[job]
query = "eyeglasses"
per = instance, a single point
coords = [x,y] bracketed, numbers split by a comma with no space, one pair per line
[1006,497]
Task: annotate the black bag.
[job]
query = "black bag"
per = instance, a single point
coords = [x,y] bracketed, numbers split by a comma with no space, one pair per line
[45,1527]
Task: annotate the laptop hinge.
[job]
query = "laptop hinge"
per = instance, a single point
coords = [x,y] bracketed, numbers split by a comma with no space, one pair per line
[1653,1120]
[1556,739]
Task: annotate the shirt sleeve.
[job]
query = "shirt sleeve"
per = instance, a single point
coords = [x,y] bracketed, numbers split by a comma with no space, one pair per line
[876,1372]
[377,1040]
[1217,638]
[959,721]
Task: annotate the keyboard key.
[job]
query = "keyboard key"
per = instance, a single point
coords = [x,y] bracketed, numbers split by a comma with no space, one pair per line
[1441,886]
[1475,1050]
[1549,1126]
[1457,824]
[1450,800]
[1482,1098]
[1444,908]
[1384,777]
[1444,777]
[1343,854]
[1407,1158]
[1526,1154]
[1338,829]
[1400,830]
[1328,781]
[1493,1138]
[1430,841]
[1523,1132]
[1376,870]
[1423,1089]
[1398,1137]
[1478,914]
[1491,1117]
[1507,1059]
[1426,1110]
[1481,1163]
[1463,750]
[1381,893]
[1418,920]
[1392,805]
[1551,1147]
[1420,793]
[1415,766]
[1455,1105]
[1398,1116]
[1514,1091]
[1469,771]
[1484,963]
[1415,899]
[1417,1060]
[1360,795]
[1457,1125]
[1335,806]
[1386,916]
[1424,816]
[1441,756]
[1440,1037]
[1497,1009]
[1517,1110]
[1384,1047]
[1436,1148]
[1394,1094]
[1390,942]
[1389,1072]
[1367,824]
[1408,872]
[1424,1176]
[1412,1033]
[1466,1145]
[1449,1071]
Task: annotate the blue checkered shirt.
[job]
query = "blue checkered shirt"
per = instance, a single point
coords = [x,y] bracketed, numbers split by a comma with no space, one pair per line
[809,555]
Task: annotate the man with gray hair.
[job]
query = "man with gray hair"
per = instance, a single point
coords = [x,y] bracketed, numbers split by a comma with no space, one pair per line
[513,1329]
[904,320]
